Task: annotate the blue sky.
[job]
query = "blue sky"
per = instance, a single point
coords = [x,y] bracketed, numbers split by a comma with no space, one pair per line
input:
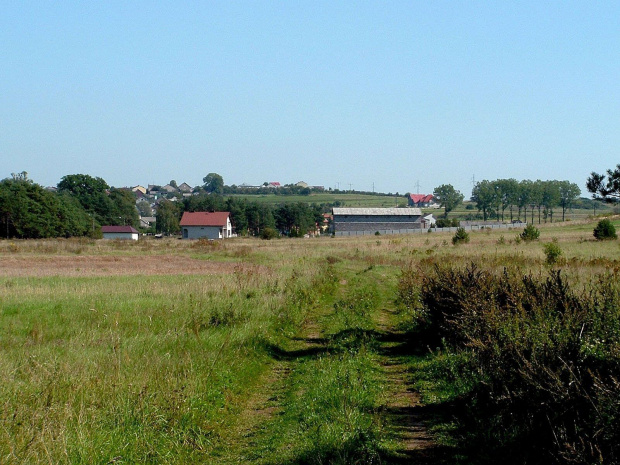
[332,93]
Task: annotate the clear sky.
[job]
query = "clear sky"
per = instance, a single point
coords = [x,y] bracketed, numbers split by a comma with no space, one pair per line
[333,93]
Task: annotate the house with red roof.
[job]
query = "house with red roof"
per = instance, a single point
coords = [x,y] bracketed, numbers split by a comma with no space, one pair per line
[422,201]
[119,232]
[207,225]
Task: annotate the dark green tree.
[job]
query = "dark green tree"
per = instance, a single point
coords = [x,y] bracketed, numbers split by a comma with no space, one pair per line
[168,217]
[605,189]
[485,196]
[123,209]
[214,183]
[27,210]
[568,193]
[91,193]
[448,197]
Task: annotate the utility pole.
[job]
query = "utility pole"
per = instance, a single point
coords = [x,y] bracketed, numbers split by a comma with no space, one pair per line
[417,186]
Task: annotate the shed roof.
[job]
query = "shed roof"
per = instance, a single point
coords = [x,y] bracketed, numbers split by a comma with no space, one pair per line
[204,218]
[118,229]
[378,211]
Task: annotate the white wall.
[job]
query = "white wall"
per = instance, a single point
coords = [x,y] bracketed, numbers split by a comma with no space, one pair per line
[127,236]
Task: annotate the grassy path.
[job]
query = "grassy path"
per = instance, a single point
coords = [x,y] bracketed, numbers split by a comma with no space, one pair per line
[405,412]
[338,392]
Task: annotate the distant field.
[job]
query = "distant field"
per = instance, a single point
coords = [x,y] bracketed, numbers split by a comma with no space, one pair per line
[347,200]
[289,351]
[379,201]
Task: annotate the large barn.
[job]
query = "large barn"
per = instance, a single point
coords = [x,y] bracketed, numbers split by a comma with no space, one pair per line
[360,221]
[208,225]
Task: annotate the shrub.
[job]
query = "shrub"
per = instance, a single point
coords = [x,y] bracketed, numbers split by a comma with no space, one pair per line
[447,223]
[461,236]
[268,233]
[552,253]
[530,233]
[605,230]
[541,362]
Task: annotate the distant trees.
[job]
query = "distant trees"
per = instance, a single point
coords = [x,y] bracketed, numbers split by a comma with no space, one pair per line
[27,210]
[605,189]
[214,183]
[493,198]
[448,197]
[108,206]
[168,217]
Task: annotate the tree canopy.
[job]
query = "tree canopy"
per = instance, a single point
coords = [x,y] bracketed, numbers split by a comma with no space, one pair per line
[448,197]
[214,183]
[605,187]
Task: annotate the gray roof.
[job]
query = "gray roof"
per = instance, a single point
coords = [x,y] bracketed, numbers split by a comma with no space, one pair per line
[378,211]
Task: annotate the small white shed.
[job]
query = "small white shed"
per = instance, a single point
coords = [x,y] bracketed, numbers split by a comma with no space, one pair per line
[119,232]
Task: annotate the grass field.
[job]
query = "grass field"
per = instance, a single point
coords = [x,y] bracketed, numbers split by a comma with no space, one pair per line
[288,351]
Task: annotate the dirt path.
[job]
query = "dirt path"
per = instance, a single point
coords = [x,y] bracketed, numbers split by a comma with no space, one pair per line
[406,414]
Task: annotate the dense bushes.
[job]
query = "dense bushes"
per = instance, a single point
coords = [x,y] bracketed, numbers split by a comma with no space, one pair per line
[605,230]
[530,233]
[460,237]
[539,362]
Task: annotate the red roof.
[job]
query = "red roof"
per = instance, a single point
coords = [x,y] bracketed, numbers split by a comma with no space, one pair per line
[204,218]
[421,198]
[118,229]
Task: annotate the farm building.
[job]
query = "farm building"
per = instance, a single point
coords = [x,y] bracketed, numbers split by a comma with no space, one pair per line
[119,232]
[208,225]
[360,221]
[422,201]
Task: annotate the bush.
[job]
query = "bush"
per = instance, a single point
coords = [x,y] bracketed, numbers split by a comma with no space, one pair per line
[539,382]
[530,233]
[268,233]
[461,236]
[447,223]
[605,230]
[552,252]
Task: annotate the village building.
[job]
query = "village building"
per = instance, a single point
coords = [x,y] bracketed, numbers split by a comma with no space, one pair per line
[207,225]
[361,221]
[119,232]
[422,201]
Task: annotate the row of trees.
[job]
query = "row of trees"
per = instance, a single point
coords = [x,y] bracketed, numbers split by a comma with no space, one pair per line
[494,198]
[80,205]
[248,217]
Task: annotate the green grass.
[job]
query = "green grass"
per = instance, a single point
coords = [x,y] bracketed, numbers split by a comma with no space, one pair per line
[278,360]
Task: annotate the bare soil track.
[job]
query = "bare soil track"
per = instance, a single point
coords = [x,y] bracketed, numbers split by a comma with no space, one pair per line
[84,265]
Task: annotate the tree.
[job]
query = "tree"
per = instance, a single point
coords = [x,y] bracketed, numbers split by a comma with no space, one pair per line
[551,197]
[448,197]
[27,210]
[144,208]
[123,209]
[168,216]
[214,183]
[607,190]
[568,193]
[92,193]
[485,196]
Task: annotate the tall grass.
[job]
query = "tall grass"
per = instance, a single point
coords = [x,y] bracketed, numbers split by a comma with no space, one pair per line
[530,361]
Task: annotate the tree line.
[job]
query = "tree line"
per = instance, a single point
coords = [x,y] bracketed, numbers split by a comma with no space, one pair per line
[81,204]
[248,217]
[508,197]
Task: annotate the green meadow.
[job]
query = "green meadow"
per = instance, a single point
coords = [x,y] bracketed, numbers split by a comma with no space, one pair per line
[375,349]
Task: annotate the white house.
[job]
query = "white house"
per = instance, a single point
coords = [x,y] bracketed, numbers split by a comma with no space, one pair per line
[119,232]
[209,225]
